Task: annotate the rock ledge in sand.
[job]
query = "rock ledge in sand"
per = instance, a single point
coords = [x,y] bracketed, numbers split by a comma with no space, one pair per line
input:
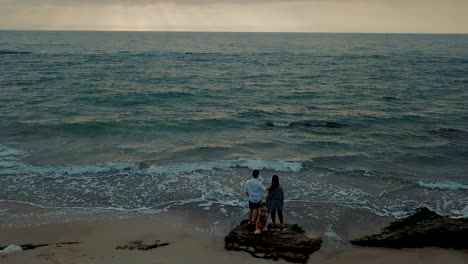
[425,228]
[280,241]
[139,245]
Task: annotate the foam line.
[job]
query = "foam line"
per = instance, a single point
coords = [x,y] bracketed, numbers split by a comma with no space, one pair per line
[451,186]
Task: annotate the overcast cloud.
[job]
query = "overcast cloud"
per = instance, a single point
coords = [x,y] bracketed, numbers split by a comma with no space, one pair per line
[423,16]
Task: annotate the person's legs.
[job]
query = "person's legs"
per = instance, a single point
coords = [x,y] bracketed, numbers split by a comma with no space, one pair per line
[280,216]
[253,212]
[273,216]
[255,216]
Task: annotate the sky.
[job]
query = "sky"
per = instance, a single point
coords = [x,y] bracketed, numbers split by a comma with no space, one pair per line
[369,16]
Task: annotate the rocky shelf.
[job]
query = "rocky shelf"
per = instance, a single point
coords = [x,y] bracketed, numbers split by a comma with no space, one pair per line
[287,242]
[424,228]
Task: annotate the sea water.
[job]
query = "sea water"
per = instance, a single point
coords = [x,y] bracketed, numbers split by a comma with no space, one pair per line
[152,121]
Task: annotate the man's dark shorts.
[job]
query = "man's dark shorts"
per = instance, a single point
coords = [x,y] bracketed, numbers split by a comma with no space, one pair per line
[254,205]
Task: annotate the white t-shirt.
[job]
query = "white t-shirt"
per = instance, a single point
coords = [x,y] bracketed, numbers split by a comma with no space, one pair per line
[255,189]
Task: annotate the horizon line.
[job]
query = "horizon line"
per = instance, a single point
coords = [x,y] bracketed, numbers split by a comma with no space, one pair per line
[215,31]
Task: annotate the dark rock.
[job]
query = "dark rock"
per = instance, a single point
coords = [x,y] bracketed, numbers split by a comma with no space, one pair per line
[334,125]
[301,124]
[33,246]
[143,165]
[139,245]
[425,228]
[68,243]
[288,242]
[390,98]
[304,125]
[328,124]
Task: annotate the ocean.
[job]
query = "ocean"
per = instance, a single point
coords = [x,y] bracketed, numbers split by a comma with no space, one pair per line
[155,121]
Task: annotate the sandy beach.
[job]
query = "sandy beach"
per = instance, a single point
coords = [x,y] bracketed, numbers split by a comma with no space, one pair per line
[192,239]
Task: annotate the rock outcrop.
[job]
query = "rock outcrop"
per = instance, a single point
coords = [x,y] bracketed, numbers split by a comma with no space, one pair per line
[139,245]
[425,228]
[288,242]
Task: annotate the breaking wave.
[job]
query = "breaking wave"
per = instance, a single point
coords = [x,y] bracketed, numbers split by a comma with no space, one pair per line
[10,163]
[452,186]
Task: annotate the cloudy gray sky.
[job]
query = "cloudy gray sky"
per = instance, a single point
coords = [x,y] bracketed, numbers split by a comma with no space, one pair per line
[419,16]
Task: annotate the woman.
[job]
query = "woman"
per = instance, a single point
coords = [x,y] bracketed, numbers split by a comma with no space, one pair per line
[275,199]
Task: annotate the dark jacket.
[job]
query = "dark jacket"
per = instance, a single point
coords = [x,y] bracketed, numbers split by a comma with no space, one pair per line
[275,199]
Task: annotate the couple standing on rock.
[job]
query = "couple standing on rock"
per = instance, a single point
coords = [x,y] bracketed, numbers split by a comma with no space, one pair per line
[254,189]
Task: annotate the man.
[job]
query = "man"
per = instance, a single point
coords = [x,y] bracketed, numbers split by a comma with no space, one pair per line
[254,190]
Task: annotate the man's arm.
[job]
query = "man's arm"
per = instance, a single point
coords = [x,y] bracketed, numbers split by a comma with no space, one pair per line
[245,189]
[262,187]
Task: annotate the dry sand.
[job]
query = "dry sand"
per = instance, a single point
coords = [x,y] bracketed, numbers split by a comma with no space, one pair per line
[99,237]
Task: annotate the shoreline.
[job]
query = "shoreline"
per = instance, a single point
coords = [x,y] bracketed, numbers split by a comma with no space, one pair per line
[193,236]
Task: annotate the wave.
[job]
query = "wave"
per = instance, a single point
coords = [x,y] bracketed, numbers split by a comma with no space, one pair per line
[14,52]
[105,127]
[448,132]
[355,56]
[258,76]
[11,153]
[147,53]
[278,124]
[76,128]
[328,124]
[127,185]
[10,163]
[272,165]
[130,186]
[451,186]
[135,98]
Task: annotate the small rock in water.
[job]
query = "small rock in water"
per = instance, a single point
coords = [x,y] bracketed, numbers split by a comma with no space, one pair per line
[143,165]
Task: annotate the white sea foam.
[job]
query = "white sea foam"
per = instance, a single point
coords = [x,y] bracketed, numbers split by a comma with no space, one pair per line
[451,186]
[11,163]
[273,165]
[224,211]
[11,153]
[122,186]
[10,250]
[463,213]
[18,167]
[281,124]
[331,235]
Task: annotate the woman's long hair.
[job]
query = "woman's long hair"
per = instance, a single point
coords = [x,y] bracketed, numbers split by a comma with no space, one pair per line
[274,183]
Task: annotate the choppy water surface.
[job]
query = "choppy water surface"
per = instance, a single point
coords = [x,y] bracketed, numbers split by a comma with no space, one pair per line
[139,121]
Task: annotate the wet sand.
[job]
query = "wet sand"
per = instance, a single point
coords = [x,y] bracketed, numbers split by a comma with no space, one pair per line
[192,240]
